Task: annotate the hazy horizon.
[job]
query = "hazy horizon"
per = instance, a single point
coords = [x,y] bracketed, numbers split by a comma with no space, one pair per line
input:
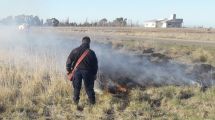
[194,13]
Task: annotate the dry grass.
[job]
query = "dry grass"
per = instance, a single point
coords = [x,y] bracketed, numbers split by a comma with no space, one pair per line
[32,90]
[184,53]
[39,93]
[201,55]
[171,33]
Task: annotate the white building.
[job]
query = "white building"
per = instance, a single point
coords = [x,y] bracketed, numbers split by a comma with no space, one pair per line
[172,22]
[150,24]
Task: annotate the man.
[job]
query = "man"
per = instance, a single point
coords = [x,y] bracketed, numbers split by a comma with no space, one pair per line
[86,70]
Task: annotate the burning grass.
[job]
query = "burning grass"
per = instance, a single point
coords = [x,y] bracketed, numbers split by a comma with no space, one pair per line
[29,95]
[33,86]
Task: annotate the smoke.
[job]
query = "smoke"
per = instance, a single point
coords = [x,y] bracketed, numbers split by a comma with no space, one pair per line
[140,70]
[37,50]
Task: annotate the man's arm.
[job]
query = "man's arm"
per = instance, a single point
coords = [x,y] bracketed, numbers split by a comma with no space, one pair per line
[70,61]
[95,67]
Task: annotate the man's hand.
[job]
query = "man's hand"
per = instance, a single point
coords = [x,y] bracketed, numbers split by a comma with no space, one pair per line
[68,72]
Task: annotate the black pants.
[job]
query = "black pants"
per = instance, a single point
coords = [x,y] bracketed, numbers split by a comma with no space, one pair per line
[88,79]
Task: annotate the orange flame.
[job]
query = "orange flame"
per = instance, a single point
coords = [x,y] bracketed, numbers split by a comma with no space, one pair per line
[121,88]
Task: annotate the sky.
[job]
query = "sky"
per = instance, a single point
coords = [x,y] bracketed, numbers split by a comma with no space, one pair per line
[194,12]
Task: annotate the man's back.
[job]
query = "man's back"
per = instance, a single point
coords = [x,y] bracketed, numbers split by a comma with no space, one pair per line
[89,63]
[86,70]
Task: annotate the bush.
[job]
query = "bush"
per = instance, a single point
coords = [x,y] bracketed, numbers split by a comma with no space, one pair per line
[201,55]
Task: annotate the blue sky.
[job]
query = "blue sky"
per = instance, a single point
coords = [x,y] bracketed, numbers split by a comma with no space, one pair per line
[194,12]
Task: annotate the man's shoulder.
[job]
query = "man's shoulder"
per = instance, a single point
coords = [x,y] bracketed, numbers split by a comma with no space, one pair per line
[75,50]
[91,51]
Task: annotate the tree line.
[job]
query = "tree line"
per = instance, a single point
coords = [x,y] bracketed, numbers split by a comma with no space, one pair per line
[36,21]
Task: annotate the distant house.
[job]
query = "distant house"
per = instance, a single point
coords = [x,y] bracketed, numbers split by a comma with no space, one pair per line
[151,24]
[172,22]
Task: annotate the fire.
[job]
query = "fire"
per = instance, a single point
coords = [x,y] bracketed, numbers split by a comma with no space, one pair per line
[121,88]
[117,88]
[111,86]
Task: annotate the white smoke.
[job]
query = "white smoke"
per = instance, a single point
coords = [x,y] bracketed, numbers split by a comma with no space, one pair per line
[36,49]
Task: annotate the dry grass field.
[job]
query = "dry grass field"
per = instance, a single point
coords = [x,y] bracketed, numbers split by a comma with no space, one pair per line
[47,95]
[199,34]
[33,84]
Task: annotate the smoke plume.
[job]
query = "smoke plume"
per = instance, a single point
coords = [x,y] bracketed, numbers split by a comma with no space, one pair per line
[37,50]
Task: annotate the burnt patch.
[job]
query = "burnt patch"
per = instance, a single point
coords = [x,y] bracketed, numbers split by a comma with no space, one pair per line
[185,95]
[122,99]
[159,58]
[2,108]
[200,68]
[149,50]
[150,69]
[155,103]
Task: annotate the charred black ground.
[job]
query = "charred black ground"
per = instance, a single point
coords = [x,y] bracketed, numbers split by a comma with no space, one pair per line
[151,69]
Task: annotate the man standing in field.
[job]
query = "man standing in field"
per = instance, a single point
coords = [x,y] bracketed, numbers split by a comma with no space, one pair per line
[85,69]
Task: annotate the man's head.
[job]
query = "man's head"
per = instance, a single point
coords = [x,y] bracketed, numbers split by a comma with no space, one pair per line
[86,39]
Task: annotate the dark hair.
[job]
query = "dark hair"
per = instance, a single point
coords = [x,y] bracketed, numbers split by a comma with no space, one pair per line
[86,39]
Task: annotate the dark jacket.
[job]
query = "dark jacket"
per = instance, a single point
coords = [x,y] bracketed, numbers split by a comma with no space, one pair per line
[88,63]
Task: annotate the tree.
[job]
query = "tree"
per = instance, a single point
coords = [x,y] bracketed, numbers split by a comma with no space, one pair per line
[20,19]
[103,22]
[67,22]
[52,22]
[28,19]
[73,24]
[7,20]
[41,21]
[36,21]
[55,22]
[120,22]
